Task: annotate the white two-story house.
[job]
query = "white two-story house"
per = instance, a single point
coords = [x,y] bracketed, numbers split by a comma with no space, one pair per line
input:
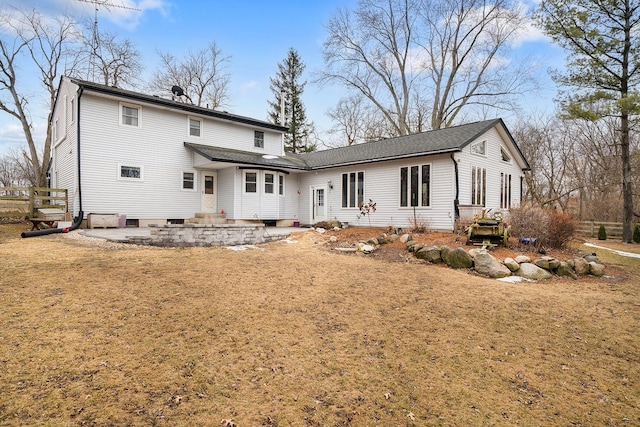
[155,160]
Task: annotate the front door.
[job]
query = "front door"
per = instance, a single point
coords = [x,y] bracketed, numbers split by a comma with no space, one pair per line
[319,204]
[208,194]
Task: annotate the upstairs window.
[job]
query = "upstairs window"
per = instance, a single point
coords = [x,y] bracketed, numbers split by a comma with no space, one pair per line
[195,127]
[505,156]
[130,115]
[258,139]
[479,148]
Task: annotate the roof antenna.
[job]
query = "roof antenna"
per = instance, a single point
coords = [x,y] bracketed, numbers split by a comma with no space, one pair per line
[95,39]
[177,91]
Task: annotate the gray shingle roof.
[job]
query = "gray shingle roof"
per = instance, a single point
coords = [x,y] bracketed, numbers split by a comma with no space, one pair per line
[439,141]
[226,155]
[426,143]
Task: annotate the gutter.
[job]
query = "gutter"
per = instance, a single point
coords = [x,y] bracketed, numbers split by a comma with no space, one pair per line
[78,220]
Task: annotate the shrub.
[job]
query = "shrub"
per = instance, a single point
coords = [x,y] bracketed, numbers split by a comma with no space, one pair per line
[419,224]
[602,233]
[636,234]
[542,227]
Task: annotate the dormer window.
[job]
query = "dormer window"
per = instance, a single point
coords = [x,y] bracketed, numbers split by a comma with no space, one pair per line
[479,148]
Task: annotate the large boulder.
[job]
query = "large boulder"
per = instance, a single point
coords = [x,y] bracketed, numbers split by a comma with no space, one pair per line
[547,262]
[431,254]
[596,269]
[532,272]
[487,265]
[580,266]
[522,258]
[456,258]
[565,270]
[511,264]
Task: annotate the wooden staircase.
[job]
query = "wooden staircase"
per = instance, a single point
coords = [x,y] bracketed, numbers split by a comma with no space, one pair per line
[208,218]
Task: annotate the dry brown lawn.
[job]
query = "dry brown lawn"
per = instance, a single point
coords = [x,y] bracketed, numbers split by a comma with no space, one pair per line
[295,334]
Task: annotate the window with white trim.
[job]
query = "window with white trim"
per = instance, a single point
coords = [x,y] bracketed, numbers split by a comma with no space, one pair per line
[505,156]
[281,185]
[130,172]
[195,127]
[130,115]
[189,180]
[479,148]
[352,189]
[250,182]
[268,183]
[505,191]
[415,186]
[258,139]
[478,185]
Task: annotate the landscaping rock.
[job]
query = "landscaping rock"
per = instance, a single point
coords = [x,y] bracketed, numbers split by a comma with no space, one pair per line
[406,238]
[382,239]
[596,269]
[373,241]
[321,230]
[522,258]
[511,264]
[431,254]
[365,248]
[456,258]
[592,258]
[393,238]
[333,239]
[487,265]
[548,263]
[580,266]
[474,251]
[532,272]
[565,270]
[416,247]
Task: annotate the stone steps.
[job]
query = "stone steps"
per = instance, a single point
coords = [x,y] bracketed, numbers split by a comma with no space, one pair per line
[208,218]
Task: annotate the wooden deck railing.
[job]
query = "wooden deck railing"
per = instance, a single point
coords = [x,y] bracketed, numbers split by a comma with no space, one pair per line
[24,202]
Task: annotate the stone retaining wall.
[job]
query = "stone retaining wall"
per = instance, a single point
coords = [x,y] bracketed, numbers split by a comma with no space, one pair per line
[187,235]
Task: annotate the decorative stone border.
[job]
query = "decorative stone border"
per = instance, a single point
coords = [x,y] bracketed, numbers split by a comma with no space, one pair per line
[482,262]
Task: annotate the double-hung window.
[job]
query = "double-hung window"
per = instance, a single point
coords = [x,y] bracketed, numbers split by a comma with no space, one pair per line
[415,186]
[352,189]
[130,115]
[258,139]
[195,127]
[188,180]
[268,183]
[250,182]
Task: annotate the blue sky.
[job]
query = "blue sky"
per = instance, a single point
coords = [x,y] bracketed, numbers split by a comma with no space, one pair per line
[257,36]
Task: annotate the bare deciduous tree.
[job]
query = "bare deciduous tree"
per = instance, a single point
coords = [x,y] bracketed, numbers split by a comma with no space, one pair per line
[201,75]
[102,58]
[45,43]
[399,53]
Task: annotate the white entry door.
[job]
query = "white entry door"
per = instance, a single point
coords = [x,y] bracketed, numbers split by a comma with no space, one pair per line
[209,190]
[319,204]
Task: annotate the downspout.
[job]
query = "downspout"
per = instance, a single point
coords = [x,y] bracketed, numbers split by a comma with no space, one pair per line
[456,201]
[78,219]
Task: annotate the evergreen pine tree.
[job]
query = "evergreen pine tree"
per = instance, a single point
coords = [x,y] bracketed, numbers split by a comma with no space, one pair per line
[287,83]
[636,234]
[602,233]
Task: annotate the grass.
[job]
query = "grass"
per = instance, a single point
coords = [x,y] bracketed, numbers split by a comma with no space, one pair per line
[293,335]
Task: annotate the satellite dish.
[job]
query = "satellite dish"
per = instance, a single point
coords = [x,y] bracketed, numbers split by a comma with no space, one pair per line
[177,91]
